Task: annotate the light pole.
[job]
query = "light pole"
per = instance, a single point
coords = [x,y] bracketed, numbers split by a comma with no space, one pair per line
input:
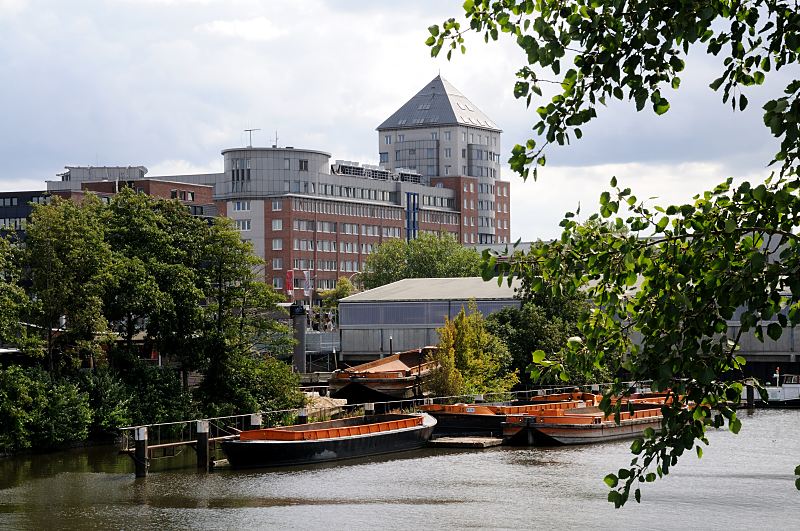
[391,351]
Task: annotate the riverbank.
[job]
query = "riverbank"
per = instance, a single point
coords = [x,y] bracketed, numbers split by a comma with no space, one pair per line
[742,480]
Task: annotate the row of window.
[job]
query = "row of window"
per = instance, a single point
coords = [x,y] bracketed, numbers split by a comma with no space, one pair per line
[443,202]
[442,218]
[465,137]
[183,195]
[13,223]
[335,190]
[347,209]
[14,201]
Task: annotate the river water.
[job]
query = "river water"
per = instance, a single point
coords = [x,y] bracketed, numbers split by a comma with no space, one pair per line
[742,481]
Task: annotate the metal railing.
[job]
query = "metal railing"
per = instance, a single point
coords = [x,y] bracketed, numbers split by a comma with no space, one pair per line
[171,435]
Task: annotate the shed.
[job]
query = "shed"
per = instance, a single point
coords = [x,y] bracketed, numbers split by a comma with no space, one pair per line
[404,315]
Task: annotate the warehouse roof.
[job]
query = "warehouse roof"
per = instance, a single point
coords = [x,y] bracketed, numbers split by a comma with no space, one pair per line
[432,289]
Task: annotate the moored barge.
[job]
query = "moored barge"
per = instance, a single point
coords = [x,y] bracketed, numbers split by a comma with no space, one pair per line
[329,441]
[579,426]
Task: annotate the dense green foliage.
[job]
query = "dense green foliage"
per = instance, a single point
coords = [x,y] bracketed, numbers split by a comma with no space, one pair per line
[344,288]
[664,280]
[470,359]
[97,286]
[429,256]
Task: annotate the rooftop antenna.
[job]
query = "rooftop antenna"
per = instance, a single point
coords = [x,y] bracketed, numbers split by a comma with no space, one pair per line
[276,138]
[250,131]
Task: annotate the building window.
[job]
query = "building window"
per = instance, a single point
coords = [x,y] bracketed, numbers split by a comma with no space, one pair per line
[241,206]
[277,244]
[303,165]
[277,263]
[447,135]
[276,205]
[384,156]
[434,136]
[287,164]
[277,224]
[243,225]
[387,139]
[412,152]
[464,136]
[401,138]
[447,170]
[447,153]
[277,282]
[472,187]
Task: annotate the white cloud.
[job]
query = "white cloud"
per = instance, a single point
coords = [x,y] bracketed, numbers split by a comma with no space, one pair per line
[254,29]
[183,167]
[538,207]
[12,7]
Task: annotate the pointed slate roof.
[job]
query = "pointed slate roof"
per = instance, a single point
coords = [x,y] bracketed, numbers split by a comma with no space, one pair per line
[438,103]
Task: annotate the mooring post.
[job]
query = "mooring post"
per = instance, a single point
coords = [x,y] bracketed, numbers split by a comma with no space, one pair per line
[302,416]
[254,422]
[202,445]
[751,396]
[140,452]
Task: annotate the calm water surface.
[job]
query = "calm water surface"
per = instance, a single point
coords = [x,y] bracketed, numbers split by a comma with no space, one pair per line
[742,481]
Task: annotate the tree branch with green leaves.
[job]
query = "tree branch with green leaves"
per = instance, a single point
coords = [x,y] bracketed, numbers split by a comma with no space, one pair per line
[665,282]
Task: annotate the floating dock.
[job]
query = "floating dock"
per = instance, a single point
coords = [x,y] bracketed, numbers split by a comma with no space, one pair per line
[465,442]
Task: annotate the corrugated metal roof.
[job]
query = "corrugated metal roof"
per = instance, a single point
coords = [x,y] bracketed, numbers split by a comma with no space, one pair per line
[438,103]
[433,289]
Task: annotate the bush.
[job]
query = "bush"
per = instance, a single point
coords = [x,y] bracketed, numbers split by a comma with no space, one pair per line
[248,383]
[110,400]
[22,398]
[157,395]
[39,413]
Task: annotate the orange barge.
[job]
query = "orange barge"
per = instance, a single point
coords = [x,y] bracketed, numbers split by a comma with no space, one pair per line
[395,377]
[487,419]
[329,441]
[556,427]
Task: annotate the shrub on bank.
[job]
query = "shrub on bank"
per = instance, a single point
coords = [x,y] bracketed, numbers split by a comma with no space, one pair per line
[37,412]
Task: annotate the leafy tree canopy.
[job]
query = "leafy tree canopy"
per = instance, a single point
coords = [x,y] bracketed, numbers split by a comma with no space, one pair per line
[428,256]
[665,280]
[471,359]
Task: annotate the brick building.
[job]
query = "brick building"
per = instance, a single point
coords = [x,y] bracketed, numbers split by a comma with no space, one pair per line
[313,219]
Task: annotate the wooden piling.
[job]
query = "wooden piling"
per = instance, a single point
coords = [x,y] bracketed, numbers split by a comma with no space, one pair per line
[302,416]
[202,445]
[751,396]
[140,459]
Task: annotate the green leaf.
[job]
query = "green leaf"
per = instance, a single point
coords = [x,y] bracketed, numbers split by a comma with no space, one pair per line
[611,480]
[774,331]
[797,470]
[637,495]
[742,102]
[538,356]
[699,452]
[797,483]
[604,198]
[735,425]
[661,106]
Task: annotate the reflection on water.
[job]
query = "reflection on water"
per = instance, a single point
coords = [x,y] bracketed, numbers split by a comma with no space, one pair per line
[744,480]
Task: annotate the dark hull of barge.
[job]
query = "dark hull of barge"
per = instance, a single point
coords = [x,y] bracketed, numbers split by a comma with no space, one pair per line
[271,453]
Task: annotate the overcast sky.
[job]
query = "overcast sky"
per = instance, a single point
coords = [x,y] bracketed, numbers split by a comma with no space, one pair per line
[170,83]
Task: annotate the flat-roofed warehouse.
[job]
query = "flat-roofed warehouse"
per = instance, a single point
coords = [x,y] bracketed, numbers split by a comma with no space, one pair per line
[409,312]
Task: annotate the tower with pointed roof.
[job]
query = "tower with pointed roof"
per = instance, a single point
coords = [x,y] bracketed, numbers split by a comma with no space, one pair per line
[451,143]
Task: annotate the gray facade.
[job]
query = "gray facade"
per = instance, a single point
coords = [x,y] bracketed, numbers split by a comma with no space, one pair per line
[410,311]
[441,133]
